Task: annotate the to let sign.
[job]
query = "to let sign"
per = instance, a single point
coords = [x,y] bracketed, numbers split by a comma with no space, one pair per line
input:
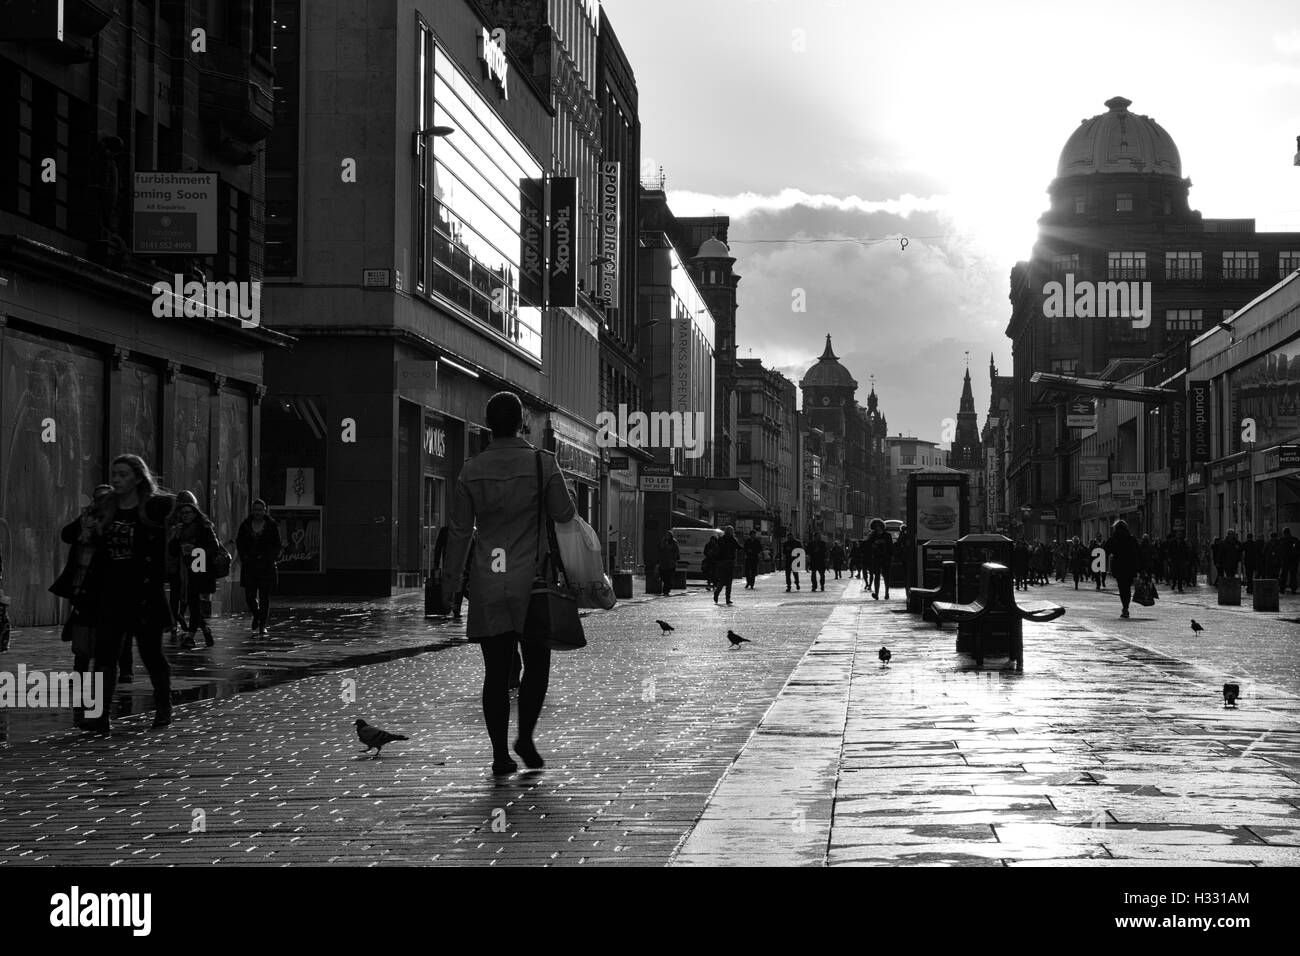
[1125,484]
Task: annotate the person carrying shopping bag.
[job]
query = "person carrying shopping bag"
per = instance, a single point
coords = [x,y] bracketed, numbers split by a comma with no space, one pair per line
[497,492]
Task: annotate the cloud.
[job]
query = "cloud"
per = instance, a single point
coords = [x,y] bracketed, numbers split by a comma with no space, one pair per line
[686,203]
[906,317]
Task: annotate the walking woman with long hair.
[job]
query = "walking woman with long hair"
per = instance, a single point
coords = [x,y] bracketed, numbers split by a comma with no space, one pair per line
[497,492]
[194,539]
[259,545]
[132,601]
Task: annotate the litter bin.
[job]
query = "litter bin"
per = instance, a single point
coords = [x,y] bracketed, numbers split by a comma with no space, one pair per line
[930,575]
[972,553]
[622,584]
[1266,594]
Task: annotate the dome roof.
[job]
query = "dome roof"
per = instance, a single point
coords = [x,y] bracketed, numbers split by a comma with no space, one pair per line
[828,372]
[713,248]
[1119,142]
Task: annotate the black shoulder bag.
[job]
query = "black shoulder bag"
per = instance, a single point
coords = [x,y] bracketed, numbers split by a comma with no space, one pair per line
[552,608]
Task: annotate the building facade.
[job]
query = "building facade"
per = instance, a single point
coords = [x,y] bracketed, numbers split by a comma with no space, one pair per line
[131,222]
[907,456]
[413,211]
[1123,269]
[621,352]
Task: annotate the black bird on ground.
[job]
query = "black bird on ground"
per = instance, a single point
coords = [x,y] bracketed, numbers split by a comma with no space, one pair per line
[1230,694]
[374,738]
[737,640]
[884,655]
[1196,628]
[664,627]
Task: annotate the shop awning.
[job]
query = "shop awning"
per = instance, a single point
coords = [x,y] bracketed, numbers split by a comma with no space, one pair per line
[720,494]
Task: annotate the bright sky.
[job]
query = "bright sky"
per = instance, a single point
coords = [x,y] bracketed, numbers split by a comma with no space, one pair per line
[943,118]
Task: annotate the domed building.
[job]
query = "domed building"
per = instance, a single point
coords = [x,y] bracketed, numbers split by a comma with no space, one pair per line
[844,446]
[1123,270]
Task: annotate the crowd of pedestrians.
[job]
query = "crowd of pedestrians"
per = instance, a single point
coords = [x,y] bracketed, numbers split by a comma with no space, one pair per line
[141,562]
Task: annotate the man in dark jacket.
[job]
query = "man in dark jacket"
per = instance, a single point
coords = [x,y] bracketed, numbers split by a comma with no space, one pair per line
[788,547]
[880,555]
[837,558]
[669,553]
[1290,561]
[724,562]
[1229,554]
[817,561]
[1125,559]
[753,551]
[1252,558]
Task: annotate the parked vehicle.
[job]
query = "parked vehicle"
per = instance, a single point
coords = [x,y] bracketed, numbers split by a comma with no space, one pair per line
[691,541]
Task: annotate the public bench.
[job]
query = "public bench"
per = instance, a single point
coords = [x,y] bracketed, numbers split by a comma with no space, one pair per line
[995,613]
[945,591]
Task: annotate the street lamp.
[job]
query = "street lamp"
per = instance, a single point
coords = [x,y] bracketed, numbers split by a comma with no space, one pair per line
[419,135]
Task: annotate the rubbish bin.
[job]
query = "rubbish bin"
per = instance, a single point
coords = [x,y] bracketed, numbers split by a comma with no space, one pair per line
[930,575]
[1266,594]
[972,553]
[622,584]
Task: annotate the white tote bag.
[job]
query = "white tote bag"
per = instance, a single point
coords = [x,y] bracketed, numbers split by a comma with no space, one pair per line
[583,564]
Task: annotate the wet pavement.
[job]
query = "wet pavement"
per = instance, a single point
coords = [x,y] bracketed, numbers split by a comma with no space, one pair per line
[1111,748]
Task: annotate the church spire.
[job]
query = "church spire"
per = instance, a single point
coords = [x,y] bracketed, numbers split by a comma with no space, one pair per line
[828,354]
[967,397]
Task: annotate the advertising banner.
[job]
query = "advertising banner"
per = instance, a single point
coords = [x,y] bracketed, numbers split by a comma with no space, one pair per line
[562,291]
[532,240]
[610,182]
[1198,420]
[175,213]
[1176,428]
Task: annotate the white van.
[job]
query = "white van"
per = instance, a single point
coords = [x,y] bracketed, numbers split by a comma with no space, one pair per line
[691,542]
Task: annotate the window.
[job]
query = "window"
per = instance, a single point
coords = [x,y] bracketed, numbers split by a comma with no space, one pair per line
[1062,264]
[1080,204]
[1065,366]
[1182,320]
[1287,263]
[1168,206]
[1228,313]
[1126,265]
[1241,265]
[1183,265]
[1123,202]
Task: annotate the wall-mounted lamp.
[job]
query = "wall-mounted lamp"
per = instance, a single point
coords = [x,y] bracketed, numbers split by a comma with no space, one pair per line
[431,131]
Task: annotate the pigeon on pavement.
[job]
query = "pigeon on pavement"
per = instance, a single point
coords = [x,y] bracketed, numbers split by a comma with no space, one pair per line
[737,640]
[374,738]
[664,627]
[884,655]
[1196,628]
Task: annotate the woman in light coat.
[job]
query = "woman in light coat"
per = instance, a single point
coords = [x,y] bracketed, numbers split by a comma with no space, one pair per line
[497,494]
